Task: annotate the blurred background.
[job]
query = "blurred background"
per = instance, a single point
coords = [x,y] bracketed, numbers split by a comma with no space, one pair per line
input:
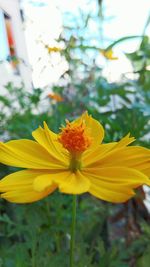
[58,59]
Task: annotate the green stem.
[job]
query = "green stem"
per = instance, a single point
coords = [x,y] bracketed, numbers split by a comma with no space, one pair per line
[72,241]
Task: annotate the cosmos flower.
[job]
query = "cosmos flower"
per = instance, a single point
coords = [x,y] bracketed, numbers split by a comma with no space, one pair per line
[108,54]
[53,49]
[56,97]
[74,161]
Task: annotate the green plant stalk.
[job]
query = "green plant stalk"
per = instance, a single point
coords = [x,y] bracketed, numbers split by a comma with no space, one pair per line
[33,252]
[73,225]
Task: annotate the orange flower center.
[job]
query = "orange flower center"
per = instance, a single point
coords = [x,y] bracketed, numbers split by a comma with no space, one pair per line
[75,137]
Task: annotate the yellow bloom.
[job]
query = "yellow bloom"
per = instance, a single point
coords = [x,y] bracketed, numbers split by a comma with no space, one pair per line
[108,54]
[53,49]
[75,161]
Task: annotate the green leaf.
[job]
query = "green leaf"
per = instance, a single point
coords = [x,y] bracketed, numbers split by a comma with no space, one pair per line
[144,261]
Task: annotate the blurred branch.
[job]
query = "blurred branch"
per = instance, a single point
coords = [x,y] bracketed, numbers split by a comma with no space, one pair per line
[123,39]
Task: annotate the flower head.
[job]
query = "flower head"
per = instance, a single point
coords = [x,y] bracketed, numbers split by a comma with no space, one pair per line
[53,49]
[75,137]
[108,54]
[75,161]
[56,97]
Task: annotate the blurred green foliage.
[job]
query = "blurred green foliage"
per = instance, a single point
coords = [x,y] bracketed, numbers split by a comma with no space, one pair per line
[107,235]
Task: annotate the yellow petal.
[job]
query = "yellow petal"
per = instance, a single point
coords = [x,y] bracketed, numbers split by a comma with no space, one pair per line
[113,155]
[49,141]
[110,195]
[17,180]
[144,167]
[105,151]
[97,131]
[118,175]
[71,183]
[147,171]
[18,187]
[110,192]
[27,154]
[114,184]
[125,141]
[27,196]
[95,155]
[42,182]
[138,158]
[76,183]
[68,182]
[129,156]
[53,142]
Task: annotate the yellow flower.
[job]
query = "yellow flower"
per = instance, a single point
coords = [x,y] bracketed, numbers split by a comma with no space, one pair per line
[56,97]
[75,161]
[53,49]
[108,54]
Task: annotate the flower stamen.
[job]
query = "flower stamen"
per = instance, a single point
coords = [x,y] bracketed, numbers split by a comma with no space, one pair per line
[75,137]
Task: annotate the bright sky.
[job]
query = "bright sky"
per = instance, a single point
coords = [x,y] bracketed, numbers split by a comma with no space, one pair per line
[45,23]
